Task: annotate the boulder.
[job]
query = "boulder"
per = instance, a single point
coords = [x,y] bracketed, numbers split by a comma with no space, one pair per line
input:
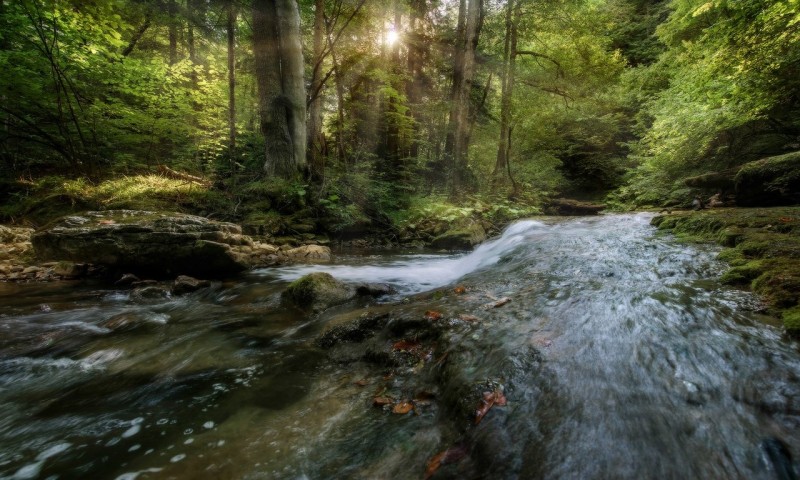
[70,269]
[141,242]
[769,182]
[463,238]
[570,207]
[318,291]
[186,284]
[307,253]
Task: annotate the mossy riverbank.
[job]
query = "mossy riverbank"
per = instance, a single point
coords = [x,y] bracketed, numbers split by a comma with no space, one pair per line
[763,251]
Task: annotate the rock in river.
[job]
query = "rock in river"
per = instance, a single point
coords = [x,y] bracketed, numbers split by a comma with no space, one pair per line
[152,243]
[318,291]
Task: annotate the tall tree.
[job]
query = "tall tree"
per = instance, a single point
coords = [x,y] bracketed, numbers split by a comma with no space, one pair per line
[315,139]
[230,29]
[470,22]
[281,93]
[508,72]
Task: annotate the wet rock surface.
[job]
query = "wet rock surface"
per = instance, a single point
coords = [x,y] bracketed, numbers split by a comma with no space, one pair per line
[160,244]
[318,291]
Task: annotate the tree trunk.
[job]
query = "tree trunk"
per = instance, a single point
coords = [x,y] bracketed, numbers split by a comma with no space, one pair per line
[137,35]
[315,138]
[457,146]
[279,74]
[172,9]
[230,28]
[506,79]
[415,83]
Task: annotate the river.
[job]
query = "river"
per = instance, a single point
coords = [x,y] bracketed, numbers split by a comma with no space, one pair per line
[619,355]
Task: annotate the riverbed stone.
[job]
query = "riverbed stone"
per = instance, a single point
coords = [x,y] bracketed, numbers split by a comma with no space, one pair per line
[571,207]
[463,238]
[308,253]
[70,269]
[186,284]
[318,291]
[159,244]
[151,292]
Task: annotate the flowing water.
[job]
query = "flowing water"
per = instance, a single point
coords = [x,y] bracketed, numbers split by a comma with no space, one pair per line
[619,353]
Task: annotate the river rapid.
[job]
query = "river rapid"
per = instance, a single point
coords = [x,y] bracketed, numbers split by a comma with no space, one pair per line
[619,354]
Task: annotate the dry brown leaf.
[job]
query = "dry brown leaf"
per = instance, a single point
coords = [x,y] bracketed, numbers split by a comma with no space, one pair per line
[405,345]
[362,383]
[433,315]
[434,463]
[489,400]
[451,455]
[401,408]
[381,401]
[459,290]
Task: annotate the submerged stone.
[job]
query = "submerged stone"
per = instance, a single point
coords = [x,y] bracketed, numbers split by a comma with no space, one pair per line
[318,291]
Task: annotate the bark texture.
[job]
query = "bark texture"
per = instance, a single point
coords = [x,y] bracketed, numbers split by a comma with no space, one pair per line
[470,22]
[281,91]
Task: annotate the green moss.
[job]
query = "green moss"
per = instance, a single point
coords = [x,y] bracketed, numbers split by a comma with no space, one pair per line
[791,320]
[764,247]
[780,284]
[743,274]
[732,256]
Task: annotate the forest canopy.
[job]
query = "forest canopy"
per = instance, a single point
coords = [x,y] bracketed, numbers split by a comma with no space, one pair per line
[357,109]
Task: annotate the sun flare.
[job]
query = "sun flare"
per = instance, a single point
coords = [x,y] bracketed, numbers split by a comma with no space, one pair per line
[392,37]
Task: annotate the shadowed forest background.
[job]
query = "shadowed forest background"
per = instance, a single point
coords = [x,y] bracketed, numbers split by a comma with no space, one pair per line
[356,116]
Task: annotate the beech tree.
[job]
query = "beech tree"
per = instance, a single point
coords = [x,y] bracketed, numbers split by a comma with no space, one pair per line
[278,57]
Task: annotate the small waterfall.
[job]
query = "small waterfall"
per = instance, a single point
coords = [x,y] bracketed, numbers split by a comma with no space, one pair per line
[416,273]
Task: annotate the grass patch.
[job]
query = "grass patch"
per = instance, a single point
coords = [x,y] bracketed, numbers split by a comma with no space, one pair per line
[51,197]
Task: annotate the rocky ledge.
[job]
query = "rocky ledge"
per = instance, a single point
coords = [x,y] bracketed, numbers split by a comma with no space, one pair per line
[150,244]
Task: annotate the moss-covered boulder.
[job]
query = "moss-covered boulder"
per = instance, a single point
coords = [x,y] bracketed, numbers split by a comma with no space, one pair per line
[570,207]
[769,182]
[462,238]
[147,243]
[791,320]
[318,291]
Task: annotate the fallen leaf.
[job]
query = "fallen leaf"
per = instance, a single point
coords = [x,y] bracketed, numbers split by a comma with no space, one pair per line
[433,315]
[785,219]
[468,318]
[362,383]
[489,400]
[451,455]
[401,408]
[459,290]
[405,345]
[381,401]
[433,464]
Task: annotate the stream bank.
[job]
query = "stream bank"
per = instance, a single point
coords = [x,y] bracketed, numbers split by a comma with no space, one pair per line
[762,250]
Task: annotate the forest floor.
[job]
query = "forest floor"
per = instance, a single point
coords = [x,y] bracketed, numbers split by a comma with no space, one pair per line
[762,250]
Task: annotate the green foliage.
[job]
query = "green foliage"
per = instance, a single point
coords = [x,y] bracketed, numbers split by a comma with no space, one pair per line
[721,94]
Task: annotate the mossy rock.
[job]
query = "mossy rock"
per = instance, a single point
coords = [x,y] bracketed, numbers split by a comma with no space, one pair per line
[318,291]
[780,284]
[743,274]
[460,239]
[769,182]
[791,320]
